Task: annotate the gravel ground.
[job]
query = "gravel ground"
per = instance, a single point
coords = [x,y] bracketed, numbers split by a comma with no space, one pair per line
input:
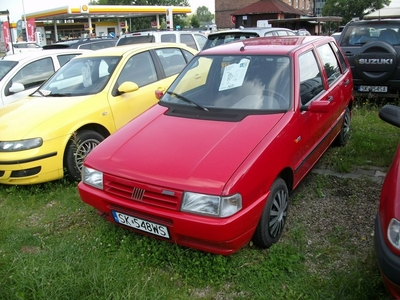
[338,219]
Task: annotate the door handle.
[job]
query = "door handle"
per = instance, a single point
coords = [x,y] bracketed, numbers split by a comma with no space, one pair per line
[346,82]
[330,98]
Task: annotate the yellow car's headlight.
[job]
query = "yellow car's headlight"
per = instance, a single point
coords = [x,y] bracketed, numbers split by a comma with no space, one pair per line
[12,146]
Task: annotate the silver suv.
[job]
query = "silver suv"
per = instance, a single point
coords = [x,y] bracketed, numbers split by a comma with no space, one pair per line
[195,40]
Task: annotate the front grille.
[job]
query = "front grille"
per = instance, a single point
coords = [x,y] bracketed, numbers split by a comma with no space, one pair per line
[141,192]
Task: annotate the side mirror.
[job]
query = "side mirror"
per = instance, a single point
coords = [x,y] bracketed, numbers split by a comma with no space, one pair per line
[321,106]
[127,87]
[390,114]
[16,88]
[159,93]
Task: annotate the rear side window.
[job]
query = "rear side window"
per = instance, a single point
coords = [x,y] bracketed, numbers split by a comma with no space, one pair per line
[188,39]
[168,38]
[310,77]
[331,65]
[340,56]
[172,60]
[63,59]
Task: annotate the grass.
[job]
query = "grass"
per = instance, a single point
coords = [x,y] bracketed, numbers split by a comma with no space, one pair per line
[53,246]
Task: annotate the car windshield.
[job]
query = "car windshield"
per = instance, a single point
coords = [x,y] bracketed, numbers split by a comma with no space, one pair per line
[359,34]
[6,66]
[80,76]
[233,82]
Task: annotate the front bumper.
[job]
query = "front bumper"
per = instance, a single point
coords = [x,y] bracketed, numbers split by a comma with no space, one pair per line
[30,167]
[222,236]
[389,263]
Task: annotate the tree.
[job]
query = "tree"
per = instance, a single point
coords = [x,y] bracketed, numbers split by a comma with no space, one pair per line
[349,9]
[203,14]
[194,21]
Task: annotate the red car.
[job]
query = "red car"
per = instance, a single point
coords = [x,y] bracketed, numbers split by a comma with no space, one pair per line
[212,165]
[387,223]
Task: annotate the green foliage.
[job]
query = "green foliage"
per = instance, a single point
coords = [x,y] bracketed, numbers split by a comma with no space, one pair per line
[349,9]
[194,21]
[203,14]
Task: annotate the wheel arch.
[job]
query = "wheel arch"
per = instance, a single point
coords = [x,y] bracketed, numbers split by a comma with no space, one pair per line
[288,176]
[91,126]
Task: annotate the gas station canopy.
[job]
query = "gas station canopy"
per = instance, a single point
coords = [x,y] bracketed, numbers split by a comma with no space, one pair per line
[105,11]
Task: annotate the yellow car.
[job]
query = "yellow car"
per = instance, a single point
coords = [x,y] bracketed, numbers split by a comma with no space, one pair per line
[48,134]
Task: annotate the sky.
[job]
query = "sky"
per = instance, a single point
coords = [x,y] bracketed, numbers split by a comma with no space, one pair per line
[16,8]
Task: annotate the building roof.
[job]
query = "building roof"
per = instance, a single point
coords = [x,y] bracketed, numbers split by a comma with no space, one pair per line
[268,6]
[384,13]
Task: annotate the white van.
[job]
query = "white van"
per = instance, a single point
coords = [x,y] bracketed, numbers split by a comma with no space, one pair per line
[20,47]
[193,39]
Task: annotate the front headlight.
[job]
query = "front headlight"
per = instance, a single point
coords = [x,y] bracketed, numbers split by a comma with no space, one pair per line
[21,145]
[92,177]
[394,233]
[211,205]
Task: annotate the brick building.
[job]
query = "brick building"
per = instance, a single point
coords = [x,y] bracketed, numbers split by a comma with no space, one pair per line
[247,12]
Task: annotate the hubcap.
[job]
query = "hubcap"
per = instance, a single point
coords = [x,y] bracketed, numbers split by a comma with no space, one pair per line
[278,213]
[83,150]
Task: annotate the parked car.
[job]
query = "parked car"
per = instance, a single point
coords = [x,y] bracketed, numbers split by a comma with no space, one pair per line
[387,224]
[212,165]
[227,36]
[85,43]
[372,48]
[336,35]
[49,133]
[20,47]
[193,39]
[23,73]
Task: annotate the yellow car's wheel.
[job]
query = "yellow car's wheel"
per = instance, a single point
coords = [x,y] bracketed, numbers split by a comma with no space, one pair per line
[78,147]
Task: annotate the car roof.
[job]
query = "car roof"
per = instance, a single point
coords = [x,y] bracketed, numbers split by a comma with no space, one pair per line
[41,53]
[276,45]
[139,33]
[259,30]
[122,50]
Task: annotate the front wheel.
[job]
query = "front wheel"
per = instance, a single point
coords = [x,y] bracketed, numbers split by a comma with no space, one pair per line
[78,147]
[344,134]
[273,218]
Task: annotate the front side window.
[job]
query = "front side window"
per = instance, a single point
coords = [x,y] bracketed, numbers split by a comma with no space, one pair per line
[311,83]
[168,38]
[237,82]
[138,69]
[33,74]
[79,77]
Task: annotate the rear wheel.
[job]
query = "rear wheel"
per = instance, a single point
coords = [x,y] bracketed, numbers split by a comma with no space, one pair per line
[273,218]
[344,134]
[78,147]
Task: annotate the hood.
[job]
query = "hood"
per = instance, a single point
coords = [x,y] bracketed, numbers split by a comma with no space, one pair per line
[181,153]
[20,118]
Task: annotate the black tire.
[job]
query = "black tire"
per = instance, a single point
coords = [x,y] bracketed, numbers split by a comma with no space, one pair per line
[78,147]
[344,134]
[273,218]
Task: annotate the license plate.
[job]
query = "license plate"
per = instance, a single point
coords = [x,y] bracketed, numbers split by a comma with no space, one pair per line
[372,88]
[141,224]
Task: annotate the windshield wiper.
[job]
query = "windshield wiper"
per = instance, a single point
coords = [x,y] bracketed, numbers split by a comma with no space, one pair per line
[59,95]
[187,100]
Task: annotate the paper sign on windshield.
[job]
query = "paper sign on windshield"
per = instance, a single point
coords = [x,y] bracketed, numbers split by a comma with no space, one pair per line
[233,75]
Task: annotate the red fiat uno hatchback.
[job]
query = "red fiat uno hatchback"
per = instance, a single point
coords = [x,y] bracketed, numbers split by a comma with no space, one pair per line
[212,165]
